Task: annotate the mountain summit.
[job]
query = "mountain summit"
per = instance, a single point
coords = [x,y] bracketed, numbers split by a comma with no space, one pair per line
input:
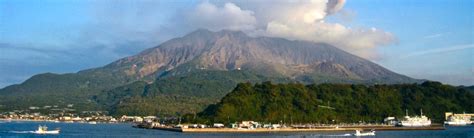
[234,50]
[200,67]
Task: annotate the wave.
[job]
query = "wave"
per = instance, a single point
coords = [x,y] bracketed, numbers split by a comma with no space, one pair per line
[21,132]
[334,135]
[342,135]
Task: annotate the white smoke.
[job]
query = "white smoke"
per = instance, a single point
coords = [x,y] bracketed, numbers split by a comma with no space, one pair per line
[230,16]
[334,6]
[296,19]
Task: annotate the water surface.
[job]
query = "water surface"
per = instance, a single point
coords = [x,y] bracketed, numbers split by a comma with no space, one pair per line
[23,128]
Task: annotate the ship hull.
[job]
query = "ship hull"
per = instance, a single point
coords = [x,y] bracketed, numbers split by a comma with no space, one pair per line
[456,123]
[415,124]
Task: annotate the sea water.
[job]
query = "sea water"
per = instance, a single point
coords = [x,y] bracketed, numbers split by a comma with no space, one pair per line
[24,129]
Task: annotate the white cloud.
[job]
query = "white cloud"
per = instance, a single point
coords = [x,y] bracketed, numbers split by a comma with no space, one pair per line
[432,36]
[297,20]
[230,16]
[362,42]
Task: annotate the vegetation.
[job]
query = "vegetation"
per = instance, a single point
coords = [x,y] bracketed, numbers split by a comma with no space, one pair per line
[174,95]
[324,103]
[178,93]
[51,89]
[470,89]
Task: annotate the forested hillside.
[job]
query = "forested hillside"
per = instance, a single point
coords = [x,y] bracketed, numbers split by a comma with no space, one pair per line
[339,102]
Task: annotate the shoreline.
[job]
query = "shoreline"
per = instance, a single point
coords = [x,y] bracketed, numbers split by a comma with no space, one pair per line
[55,121]
[266,130]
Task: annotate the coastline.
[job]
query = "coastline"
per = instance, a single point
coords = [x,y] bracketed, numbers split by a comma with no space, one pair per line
[325,129]
[53,121]
[19,129]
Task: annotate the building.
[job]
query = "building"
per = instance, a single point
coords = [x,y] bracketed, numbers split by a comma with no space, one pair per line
[249,124]
[390,121]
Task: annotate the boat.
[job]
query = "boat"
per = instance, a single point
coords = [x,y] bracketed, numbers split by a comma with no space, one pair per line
[458,120]
[416,121]
[93,122]
[358,133]
[44,130]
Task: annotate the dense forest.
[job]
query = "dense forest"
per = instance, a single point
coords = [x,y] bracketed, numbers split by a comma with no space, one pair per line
[335,103]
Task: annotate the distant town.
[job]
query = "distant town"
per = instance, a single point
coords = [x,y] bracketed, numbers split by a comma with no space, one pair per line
[69,115]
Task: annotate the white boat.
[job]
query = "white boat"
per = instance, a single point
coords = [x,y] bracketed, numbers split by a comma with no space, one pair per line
[358,133]
[458,120]
[416,121]
[93,122]
[44,130]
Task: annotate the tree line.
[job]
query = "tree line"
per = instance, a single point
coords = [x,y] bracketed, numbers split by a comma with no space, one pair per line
[335,103]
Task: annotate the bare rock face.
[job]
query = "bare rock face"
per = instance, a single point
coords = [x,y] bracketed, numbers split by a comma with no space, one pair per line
[234,50]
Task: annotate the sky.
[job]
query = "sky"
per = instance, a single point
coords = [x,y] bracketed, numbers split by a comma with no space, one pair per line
[422,39]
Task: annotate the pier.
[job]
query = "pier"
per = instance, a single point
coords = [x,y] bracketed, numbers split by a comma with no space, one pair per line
[290,129]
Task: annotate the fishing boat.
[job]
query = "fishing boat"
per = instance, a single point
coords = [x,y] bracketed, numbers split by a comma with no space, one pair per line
[358,133]
[416,121]
[44,130]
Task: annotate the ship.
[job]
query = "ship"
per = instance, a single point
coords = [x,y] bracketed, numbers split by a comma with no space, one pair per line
[358,133]
[458,120]
[415,121]
[44,130]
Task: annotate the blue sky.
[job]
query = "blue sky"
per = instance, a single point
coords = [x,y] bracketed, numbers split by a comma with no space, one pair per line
[433,39]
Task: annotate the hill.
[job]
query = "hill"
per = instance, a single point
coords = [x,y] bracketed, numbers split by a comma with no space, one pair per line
[470,88]
[348,103]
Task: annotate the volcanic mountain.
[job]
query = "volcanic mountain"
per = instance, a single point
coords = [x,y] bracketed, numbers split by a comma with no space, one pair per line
[200,67]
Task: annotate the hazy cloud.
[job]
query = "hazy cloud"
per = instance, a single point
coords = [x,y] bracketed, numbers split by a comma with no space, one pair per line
[436,35]
[439,50]
[433,36]
[454,79]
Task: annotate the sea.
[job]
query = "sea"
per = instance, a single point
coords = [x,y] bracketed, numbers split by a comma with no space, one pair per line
[23,129]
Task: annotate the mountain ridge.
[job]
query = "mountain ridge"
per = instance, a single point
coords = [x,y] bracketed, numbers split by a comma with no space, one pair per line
[200,56]
[229,50]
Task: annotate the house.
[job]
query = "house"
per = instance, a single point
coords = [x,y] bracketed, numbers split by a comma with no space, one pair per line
[234,125]
[275,126]
[125,118]
[390,121]
[65,118]
[149,118]
[249,124]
